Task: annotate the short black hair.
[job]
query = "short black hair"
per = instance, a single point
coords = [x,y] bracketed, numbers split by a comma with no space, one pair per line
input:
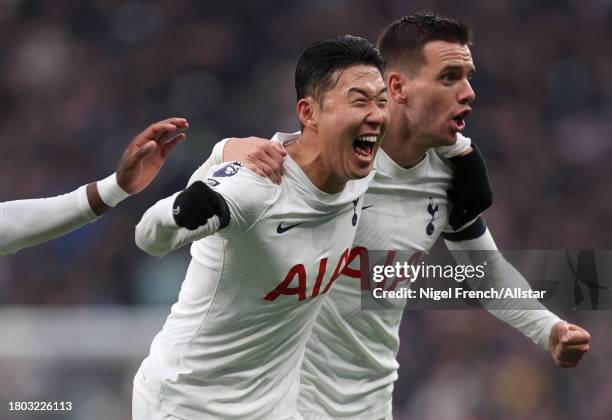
[402,42]
[313,73]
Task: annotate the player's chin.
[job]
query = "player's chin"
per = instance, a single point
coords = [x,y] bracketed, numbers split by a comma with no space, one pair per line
[449,139]
[360,166]
[359,174]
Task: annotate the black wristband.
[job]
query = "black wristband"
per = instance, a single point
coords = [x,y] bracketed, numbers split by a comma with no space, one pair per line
[473,231]
[196,204]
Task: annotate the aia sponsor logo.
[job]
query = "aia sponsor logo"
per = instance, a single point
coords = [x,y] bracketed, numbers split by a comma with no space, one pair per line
[295,282]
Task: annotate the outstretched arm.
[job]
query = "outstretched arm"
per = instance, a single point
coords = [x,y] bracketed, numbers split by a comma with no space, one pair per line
[566,343]
[25,223]
[471,195]
[229,200]
[158,232]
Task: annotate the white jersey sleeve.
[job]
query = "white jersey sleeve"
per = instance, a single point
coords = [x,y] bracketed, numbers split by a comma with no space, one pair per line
[535,324]
[461,145]
[215,158]
[247,195]
[157,232]
[24,223]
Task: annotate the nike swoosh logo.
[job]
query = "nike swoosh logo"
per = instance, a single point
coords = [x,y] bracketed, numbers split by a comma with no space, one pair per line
[367,207]
[282,229]
[176,210]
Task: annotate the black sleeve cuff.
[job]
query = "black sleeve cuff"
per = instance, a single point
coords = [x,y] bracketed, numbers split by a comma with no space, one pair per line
[473,231]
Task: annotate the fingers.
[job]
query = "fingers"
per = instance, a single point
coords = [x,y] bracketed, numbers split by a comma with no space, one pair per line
[576,335]
[574,327]
[141,152]
[255,168]
[269,161]
[168,147]
[572,343]
[262,169]
[157,130]
[574,349]
[180,125]
[280,149]
[167,136]
[570,354]
[178,122]
[269,157]
[565,365]
[261,156]
[145,150]
[563,332]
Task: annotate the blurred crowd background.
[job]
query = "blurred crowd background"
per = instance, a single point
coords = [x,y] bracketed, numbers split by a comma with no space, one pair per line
[79,79]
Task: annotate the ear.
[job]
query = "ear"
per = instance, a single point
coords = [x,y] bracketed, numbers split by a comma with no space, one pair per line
[308,112]
[396,87]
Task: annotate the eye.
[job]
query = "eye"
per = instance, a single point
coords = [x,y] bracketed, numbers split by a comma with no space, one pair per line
[448,77]
[382,102]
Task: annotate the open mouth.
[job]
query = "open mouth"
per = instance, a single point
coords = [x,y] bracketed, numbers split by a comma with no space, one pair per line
[363,146]
[459,119]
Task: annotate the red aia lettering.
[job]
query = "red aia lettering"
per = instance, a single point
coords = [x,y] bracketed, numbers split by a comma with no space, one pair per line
[284,287]
[341,264]
[364,264]
[317,286]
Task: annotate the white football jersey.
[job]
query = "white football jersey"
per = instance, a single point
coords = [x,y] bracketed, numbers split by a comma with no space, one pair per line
[234,342]
[350,362]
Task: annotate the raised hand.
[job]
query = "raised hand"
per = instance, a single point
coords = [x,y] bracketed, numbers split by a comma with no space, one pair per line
[264,157]
[147,153]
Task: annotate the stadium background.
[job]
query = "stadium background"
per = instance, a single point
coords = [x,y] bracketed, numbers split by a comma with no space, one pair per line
[79,79]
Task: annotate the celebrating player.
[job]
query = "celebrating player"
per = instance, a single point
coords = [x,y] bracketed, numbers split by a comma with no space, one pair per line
[349,365]
[264,253]
[24,223]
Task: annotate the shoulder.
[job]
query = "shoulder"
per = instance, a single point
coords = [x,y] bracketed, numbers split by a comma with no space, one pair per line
[234,177]
[247,194]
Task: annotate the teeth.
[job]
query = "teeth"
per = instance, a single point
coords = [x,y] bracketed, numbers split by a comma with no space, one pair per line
[371,139]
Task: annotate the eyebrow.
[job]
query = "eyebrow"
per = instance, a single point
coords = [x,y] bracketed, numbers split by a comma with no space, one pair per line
[455,67]
[364,92]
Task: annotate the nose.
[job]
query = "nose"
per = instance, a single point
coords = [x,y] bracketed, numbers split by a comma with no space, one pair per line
[466,94]
[377,115]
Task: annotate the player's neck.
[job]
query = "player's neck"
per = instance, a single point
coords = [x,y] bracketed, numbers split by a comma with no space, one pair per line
[306,152]
[402,147]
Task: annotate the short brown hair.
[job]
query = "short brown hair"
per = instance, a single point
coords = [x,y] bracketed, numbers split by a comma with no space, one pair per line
[402,42]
